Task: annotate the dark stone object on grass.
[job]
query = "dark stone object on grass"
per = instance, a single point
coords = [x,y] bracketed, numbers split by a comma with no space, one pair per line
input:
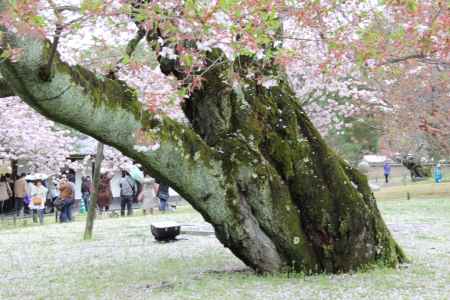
[165,231]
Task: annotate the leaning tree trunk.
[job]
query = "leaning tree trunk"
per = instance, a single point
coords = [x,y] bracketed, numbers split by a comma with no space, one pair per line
[252,163]
[92,209]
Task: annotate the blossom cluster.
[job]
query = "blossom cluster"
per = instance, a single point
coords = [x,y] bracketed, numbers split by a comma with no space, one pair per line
[339,48]
[31,139]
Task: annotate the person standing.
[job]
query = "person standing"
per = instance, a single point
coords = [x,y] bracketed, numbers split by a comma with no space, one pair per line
[104,196]
[150,201]
[27,199]
[67,194]
[163,195]
[53,194]
[20,191]
[38,193]
[127,192]
[9,180]
[5,192]
[438,173]
[387,171]
[71,179]
[86,190]
[10,204]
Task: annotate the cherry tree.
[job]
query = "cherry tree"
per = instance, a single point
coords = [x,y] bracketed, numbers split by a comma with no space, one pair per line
[237,144]
[30,138]
[409,67]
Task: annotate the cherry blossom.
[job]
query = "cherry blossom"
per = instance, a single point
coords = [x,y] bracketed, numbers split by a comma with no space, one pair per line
[334,53]
[31,139]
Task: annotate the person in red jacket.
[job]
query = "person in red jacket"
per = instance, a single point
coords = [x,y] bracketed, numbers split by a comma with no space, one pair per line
[104,197]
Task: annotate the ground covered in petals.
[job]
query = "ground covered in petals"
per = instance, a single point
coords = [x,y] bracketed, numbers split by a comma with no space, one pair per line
[124,262]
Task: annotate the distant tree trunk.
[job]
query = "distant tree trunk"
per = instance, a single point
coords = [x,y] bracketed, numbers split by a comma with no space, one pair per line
[13,178]
[416,169]
[252,163]
[93,204]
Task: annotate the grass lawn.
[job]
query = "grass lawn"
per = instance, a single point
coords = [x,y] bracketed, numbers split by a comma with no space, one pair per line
[417,190]
[124,262]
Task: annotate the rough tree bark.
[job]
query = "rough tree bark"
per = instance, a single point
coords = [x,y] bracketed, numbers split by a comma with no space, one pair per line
[252,163]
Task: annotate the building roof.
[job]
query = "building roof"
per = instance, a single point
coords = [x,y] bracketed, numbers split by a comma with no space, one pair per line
[373,158]
[86,146]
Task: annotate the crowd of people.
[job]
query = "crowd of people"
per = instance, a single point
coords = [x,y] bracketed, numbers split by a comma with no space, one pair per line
[151,194]
[36,196]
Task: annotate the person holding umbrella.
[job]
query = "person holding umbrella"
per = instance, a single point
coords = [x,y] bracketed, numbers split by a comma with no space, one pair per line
[128,190]
[38,195]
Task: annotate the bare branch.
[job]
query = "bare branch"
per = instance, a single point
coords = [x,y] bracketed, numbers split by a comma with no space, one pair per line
[426,59]
[71,8]
[76,20]
[440,63]
[403,58]
[291,37]
[131,47]
[45,73]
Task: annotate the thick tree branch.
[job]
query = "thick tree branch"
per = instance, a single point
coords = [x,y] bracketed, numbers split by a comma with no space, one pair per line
[5,90]
[108,111]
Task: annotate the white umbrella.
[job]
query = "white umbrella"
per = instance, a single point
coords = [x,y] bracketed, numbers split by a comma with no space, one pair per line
[136,174]
[30,177]
[40,176]
[37,176]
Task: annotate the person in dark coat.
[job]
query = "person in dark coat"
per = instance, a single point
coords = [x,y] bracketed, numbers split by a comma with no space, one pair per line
[163,195]
[387,171]
[104,197]
[86,190]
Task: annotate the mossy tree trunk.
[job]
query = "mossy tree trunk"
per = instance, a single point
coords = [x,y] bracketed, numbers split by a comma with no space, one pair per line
[251,163]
